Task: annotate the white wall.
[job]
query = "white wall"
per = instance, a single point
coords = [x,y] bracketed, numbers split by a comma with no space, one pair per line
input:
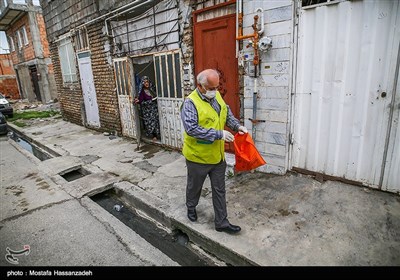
[273,83]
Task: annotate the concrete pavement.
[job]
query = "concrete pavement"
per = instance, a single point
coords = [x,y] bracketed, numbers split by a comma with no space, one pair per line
[290,220]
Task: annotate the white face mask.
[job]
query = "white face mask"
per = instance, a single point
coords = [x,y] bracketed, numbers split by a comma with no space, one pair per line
[210,93]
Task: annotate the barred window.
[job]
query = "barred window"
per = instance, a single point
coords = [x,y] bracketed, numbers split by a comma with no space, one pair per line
[81,40]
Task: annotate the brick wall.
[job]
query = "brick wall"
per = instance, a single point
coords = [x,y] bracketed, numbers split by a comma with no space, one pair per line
[43,35]
[6,66]
[70,97]
[9,87]
[103,74]
[62,15]
[8,80]
[26,52]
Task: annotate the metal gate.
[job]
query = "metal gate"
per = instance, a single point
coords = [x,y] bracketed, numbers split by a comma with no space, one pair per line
[346,107]
[123,74]
[170,97]
[88,89]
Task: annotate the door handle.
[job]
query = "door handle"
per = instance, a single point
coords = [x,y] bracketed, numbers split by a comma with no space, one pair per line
[383,94]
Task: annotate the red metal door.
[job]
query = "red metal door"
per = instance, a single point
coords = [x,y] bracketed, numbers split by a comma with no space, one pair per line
[215,47]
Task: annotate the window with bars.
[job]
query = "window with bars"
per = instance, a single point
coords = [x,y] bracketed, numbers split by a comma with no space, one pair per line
[67,61]
[81,40]
[168,75]
[121,71]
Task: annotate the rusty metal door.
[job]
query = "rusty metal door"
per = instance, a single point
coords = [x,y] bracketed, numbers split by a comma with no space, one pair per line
[215,47]
[123,74]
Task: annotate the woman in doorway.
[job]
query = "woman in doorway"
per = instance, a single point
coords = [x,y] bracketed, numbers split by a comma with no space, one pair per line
[148,104]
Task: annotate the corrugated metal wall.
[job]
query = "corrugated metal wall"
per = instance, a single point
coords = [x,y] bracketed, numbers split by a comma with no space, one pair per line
[391,180]
[345,78]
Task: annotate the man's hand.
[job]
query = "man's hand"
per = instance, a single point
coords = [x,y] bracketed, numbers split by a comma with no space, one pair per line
[227,136]
[242,130]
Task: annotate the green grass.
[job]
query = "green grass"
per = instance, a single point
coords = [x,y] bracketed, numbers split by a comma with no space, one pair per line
[19,124]
[26,115]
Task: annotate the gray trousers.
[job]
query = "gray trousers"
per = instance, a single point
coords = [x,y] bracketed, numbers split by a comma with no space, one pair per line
[196,174]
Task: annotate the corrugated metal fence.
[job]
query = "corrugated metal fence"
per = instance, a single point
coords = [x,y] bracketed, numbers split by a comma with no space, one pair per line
[346,114]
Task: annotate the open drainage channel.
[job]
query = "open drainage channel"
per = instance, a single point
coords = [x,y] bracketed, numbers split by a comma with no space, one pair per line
[74,174]
[175,245]
[26,145]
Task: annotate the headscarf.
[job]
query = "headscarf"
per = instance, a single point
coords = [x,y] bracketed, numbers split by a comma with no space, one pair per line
[151,86]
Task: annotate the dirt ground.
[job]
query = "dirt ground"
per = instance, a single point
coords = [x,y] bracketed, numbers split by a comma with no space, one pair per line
[24,104]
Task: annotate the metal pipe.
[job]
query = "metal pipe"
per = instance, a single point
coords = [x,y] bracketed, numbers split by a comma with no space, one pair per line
[237,27]
[261,31]
[254,107]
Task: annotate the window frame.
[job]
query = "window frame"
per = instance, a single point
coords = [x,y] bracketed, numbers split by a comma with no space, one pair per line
[19,39]
[81,40]
[24,35]
[70,64]
[11,43]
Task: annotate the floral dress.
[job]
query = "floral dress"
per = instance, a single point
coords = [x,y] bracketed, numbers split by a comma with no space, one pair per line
[150,113]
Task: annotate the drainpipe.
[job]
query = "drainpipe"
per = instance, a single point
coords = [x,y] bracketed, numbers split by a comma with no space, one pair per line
[239,24]
[253,121]
[256,62]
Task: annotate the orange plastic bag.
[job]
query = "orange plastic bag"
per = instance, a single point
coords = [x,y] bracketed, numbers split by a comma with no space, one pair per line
[246,154]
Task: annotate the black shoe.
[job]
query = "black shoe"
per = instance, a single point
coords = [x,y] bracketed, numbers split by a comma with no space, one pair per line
[192,215]
[229,229]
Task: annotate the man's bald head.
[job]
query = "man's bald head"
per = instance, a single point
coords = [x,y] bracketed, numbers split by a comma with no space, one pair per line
[208,78]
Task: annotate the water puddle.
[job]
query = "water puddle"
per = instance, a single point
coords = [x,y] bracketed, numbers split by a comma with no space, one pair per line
[37,152]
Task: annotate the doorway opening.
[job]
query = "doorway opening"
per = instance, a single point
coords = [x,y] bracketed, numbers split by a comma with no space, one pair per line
[146,98]
[35,82]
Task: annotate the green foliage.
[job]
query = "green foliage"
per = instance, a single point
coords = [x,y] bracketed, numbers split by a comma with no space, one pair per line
[26,115]
[19,124]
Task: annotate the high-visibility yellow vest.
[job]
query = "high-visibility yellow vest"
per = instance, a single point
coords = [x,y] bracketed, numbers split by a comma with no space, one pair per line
[203,151]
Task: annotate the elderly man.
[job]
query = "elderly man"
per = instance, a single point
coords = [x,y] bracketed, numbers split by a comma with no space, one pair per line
[204,116]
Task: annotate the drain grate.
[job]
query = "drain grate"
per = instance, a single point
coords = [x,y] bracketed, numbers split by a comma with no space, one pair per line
[75,174]
[174,246]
